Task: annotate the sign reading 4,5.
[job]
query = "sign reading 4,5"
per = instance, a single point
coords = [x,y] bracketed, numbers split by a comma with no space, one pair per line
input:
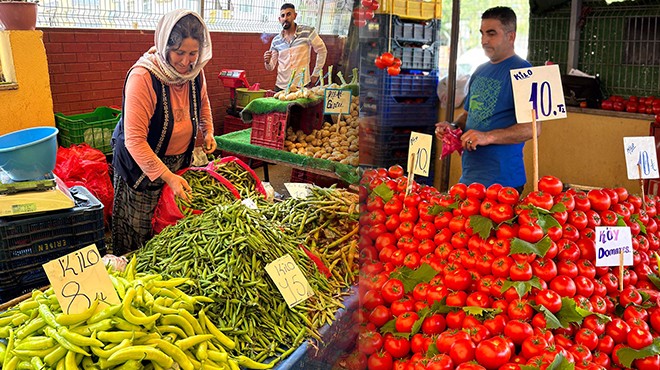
[538,89]
[289,280]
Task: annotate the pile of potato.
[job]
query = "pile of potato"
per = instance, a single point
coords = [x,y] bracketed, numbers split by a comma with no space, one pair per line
[336,142]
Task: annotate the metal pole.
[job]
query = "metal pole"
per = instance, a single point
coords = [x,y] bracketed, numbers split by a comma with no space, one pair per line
[318,22]
[451,86]
[574,36]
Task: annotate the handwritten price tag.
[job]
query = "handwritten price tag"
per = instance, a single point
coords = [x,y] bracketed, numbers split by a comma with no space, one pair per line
[79,278]
[337,101]
[298,190]
[289,280]
[538,88]
[611,241]
[420,145]
[640,150]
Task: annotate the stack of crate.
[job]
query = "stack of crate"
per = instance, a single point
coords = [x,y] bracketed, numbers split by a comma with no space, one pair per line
[393,106]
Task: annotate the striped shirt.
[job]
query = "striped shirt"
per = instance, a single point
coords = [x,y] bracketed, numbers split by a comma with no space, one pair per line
[296,55]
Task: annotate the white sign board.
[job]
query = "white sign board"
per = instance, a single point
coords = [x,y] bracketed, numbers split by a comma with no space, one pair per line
[290,280]
[420,145]
[298,190]
[538,88]
[640,150]
[611,241]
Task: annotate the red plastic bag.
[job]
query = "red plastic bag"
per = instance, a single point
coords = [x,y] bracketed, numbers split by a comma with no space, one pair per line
[258,185]
[88,167]
[167,211]
[451,142]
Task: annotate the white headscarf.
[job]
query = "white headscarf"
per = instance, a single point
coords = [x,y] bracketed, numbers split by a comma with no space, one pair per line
[155,60]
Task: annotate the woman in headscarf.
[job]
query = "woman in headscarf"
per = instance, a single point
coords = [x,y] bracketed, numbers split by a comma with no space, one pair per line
[165,105]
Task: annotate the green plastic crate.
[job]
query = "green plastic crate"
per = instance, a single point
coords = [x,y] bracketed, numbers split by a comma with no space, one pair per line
[93,128]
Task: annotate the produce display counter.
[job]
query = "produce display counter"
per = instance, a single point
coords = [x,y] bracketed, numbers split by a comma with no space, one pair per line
[337,339]
[239,142]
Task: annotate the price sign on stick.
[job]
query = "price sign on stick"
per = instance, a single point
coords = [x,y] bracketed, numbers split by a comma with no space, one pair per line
[611,243]
[79,278]
[540,89]
[420,145]
[337,101]
[641,157]
[289,280]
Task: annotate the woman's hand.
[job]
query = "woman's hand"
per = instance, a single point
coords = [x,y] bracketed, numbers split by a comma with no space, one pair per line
[178,184]
[209,144]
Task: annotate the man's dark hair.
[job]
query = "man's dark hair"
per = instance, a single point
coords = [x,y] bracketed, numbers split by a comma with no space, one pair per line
[504,14]
[288,6]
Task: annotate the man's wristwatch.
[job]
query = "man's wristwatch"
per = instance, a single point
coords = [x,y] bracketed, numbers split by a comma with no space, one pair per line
[454,125]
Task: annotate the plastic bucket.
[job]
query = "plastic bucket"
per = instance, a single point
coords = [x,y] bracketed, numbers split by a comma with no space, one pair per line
[28,154]
[245,96]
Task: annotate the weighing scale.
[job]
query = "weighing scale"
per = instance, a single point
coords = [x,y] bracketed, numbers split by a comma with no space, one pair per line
[40,195]
[233,79]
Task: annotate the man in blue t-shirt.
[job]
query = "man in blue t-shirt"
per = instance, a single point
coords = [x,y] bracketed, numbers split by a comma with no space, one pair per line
[492,140]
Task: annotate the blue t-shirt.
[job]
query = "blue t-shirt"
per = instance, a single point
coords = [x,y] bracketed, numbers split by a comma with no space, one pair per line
[490,106]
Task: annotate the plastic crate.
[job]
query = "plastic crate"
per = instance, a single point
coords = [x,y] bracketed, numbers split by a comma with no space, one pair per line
[269,129]
[29,241]
[232,124]
[400,111]
[420,58]
[404,31]
[93,128]
[373,135]
[403,85]
[412,9]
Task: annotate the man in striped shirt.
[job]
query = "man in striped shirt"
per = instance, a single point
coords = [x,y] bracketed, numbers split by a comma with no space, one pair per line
[291,49]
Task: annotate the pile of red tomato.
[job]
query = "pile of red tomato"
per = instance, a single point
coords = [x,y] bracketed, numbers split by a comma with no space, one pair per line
[389,62]
[634,104]
[365,12]
[487,303]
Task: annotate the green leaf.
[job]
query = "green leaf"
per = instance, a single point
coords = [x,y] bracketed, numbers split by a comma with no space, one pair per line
[655,280]
[410,278]
[522,287]
[570,312]
[540,248]
[433,350]
[435,209]
[627,355]
[560,363]
[551,321]
[389,327]
[547,221]
[417,325]
[481,225]
[642,228]
[480,311]
[441,307]
[558,207]
[620,221]
[384,192]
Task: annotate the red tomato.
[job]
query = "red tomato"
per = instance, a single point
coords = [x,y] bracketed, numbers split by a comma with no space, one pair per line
[540,199]
[380,315]
[395,171]
[434,324]
[393,290]
[551,185]
[380,361]
[476,191]
[518,331]
[563,285]
[501,212]
[493,353]
[396,346]
[462,350]
[404,322]
[534,345]
[550,299]
[530,232]
[508,195]
[587,337]
[520,272]
[369,341]
[638,338]
[447,338]
[617,329]
[599,199]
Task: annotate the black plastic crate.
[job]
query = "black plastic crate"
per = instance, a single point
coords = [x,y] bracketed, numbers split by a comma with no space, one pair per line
[374,135]
[26,242]
[403,31]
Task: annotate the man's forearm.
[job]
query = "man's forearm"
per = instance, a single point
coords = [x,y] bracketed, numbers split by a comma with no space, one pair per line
[515,134]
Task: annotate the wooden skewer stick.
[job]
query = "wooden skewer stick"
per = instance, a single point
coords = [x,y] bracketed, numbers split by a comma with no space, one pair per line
[535,150]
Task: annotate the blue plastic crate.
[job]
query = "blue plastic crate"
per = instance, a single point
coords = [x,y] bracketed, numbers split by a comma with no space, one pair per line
[403,85]
[400,111]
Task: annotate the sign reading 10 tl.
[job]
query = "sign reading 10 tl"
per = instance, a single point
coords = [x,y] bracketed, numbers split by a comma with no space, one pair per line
[538,88]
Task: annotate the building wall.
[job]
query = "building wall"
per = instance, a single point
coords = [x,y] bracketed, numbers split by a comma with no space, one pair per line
[88,67]
[30,104]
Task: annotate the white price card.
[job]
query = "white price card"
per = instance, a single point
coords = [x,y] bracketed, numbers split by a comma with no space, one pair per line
[538,88]
[79,278]
[611,242]
[289,280]
[420,145]
[641,157]
[298,190]
[249,203]
[337,101]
